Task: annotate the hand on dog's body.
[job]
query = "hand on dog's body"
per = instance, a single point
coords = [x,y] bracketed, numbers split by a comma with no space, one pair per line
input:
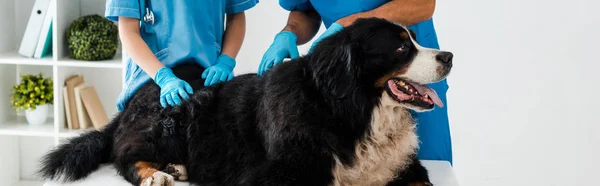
[338,116]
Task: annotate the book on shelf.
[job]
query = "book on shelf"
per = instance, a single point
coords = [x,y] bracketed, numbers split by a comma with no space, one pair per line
[82,114]
[69,124]
[83,108]
[94,107]
[71,83]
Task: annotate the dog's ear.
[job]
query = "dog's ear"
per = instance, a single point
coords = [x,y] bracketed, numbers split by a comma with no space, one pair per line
[333,68]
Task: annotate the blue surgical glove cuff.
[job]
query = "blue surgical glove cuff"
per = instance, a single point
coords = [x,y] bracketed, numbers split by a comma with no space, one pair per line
[288,36]
[333,28]
[226,62]
[163,75]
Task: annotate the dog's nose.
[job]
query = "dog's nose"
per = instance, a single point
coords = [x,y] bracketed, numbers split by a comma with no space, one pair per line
[445,58]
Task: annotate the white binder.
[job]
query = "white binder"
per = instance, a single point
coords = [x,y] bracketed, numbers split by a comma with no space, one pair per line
[44,42]
[34,26]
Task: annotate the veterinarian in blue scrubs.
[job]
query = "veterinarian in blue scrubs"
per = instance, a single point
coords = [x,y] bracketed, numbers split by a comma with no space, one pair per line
[159,34]
[304,21]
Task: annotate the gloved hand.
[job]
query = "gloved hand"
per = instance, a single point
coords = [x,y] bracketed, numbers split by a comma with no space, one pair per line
[171,87]
[220,72]
[284,45]
[333,28]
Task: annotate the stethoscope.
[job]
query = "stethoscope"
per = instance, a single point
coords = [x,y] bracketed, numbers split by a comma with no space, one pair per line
[149,17]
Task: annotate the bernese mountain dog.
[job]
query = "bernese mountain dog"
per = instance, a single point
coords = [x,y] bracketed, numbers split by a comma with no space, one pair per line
[338,116]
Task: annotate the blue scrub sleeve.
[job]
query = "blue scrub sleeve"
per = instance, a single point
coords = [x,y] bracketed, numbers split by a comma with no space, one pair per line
[433,127]
[125,8]
[299,5]
[237,6]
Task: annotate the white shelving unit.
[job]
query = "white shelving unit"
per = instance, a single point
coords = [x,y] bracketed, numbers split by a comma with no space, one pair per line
[22,145]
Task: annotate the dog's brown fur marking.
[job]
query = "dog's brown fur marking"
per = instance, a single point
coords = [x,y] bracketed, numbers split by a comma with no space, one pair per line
[404,35]
[145,169]
[383,80]
[385,150]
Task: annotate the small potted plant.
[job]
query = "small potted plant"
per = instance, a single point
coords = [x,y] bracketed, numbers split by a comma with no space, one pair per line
[33,95]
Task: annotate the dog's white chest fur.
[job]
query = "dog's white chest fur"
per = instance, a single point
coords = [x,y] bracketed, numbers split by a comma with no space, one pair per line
[385,150]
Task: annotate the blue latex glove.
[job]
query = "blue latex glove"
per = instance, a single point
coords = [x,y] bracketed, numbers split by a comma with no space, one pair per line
[333,28]
[220,72]
[283,46]
[171,87]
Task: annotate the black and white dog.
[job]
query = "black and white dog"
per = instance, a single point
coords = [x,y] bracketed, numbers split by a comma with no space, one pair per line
[338,116]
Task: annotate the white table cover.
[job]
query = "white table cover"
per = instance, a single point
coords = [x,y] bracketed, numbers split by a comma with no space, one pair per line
[440,173]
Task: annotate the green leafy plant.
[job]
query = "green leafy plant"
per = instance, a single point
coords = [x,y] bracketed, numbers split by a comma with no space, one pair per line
[92,38]
[32,91]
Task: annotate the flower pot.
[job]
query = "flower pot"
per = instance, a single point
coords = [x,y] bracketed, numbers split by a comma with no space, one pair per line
[37,116]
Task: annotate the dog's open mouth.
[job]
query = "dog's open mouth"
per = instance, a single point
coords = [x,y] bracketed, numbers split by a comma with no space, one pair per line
[408,92]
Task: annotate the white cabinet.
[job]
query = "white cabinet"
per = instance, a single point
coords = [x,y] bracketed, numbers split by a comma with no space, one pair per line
[21,145]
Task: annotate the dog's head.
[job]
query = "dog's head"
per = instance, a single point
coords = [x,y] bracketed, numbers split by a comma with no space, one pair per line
[381,57]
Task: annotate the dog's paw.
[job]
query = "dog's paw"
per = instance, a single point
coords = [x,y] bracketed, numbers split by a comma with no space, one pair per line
[177,170]
[159,179]
[420,184]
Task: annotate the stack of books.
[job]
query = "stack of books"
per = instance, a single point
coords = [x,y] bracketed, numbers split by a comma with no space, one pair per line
[83,107]
[37,39]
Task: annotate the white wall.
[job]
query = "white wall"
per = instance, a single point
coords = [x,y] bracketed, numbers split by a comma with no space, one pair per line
[522,97]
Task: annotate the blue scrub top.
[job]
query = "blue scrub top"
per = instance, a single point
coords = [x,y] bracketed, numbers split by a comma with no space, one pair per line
[183,31]
[433,127]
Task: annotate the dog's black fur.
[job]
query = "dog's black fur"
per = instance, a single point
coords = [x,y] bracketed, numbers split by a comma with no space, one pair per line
[282,128]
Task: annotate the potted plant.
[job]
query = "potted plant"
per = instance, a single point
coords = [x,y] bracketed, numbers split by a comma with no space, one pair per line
[93,38]
[33,95]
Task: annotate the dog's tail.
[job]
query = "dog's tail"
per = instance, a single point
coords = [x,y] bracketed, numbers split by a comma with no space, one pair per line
[80,156]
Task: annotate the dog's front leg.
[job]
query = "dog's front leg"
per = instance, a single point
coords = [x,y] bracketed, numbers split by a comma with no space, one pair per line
[297,162]
[413,175]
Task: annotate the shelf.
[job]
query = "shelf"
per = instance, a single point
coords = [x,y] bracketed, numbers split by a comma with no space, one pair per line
[14,57]
[23,144]
[112,63]
[28,183]
[68,133]
[20,127]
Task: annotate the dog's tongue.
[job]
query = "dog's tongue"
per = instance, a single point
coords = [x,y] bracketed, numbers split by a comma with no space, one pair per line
[424,90]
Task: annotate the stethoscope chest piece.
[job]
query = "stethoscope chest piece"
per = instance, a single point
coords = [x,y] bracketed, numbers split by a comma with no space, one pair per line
[149,17]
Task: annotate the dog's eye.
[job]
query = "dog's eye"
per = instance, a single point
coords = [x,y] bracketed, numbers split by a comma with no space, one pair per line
[401,49]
